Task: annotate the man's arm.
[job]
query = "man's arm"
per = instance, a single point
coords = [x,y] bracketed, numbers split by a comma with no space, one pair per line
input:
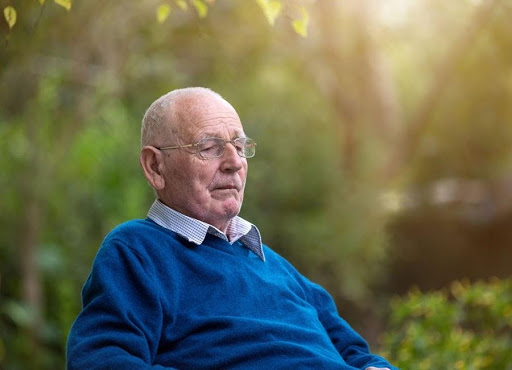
[351,346]
[120,324]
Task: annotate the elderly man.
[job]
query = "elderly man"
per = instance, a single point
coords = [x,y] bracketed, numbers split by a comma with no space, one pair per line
[192,286]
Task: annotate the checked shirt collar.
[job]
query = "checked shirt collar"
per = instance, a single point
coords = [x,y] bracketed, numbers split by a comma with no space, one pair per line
[195,231]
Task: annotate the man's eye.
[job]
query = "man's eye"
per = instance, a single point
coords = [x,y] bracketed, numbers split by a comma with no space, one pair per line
[209,147]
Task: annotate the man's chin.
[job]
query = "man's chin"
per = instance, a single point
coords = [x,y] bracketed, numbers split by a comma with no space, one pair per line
[230,209]
[220,218]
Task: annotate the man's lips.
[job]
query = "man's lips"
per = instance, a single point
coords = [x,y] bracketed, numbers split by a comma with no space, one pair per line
[227,187]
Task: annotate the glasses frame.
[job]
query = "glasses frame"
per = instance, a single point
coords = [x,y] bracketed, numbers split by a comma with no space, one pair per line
[198,152]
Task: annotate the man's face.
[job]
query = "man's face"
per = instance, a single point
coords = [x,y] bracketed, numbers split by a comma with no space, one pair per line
[210,190]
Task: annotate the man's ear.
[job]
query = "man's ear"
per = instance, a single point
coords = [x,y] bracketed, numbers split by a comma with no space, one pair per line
[151,161]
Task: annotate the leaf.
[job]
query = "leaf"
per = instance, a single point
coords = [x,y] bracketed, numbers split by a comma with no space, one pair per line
[182,4]
[22,315]
[10,16]
[162,12]
[301,25]
[201,8]
[271,9]
[42,2]
[64,3]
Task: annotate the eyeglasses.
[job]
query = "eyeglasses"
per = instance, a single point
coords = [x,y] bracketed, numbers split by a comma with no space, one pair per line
[214,147]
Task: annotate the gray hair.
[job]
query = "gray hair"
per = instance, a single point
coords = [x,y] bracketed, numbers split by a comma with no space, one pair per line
[161,118]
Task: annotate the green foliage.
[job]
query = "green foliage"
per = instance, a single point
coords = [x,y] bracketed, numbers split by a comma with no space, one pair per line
[201,8]
[60,161]
[271,9]
[163,12]
[10,16]
[66,4]
[300,25]
[467,327]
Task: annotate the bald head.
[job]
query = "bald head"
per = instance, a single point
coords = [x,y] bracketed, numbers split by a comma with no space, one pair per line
[170,113]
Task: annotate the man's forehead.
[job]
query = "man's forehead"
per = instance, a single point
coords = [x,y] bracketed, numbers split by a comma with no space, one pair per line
[216,126]
[227,118]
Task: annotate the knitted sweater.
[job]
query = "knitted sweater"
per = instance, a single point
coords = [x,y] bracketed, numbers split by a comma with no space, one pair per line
[154,301]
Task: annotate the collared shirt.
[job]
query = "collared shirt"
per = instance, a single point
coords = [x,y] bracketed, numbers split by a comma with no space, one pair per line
[195,231]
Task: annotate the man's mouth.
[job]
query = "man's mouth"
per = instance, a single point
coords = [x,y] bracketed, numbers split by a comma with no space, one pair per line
[226,187]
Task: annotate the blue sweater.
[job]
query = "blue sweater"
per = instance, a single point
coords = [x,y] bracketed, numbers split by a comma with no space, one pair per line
[154,300]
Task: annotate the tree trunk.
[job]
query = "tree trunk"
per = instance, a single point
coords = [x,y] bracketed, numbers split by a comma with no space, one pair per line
[411,138]
[355,78]
[30,275]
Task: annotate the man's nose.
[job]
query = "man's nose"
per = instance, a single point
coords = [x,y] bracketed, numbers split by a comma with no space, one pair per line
[231,161]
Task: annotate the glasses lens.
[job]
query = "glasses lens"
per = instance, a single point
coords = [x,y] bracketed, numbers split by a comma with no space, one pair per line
[245,147]
[214,147]
[210,147]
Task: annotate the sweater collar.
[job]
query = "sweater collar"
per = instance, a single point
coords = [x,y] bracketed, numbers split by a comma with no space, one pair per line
[195,231]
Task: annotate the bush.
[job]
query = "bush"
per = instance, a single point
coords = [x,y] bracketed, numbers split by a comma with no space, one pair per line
[468,326]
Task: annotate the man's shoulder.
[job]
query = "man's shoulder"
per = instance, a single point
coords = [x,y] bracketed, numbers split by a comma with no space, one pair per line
[132,227]
[140,230]
[274,257]
[279,262]
[142,238]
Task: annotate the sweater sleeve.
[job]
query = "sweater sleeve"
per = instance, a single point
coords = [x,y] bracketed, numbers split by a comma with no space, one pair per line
[351,346]
[121,320]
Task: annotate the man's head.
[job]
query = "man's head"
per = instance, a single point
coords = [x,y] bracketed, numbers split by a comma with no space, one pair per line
[210,190]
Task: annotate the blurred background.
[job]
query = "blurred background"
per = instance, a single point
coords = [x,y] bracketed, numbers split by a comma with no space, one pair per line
[383,171]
